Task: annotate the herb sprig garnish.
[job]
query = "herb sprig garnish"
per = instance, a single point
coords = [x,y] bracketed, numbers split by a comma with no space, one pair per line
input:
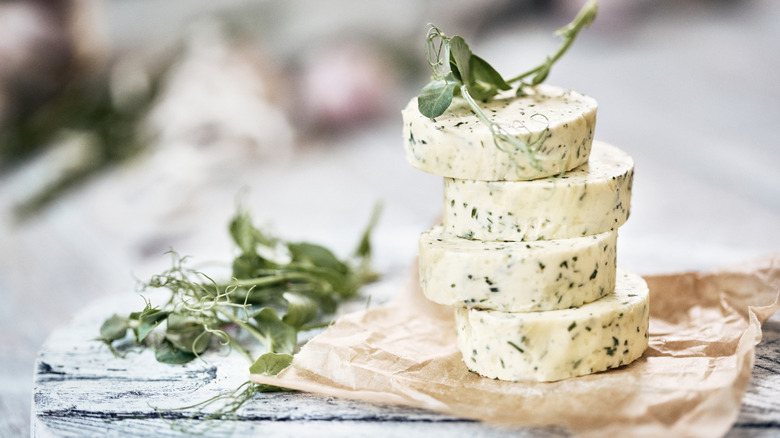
[278,290]
[456,71]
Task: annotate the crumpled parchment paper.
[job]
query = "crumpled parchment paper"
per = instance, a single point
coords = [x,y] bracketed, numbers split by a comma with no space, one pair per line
[690,381]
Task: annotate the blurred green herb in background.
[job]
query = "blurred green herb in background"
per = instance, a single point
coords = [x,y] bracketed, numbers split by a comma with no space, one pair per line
[85,108]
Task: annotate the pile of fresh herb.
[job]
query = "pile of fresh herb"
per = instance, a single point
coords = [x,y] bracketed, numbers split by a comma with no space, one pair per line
[278,290]
[459,72]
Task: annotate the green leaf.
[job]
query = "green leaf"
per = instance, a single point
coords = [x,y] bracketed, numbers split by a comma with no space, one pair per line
[486,81]
[279,337]
[363,249]
[114,328]
[455,72]
[541,74]
[241,232]
[187,334]
[435,98]
[460,56]
[166,352]
[327,301]
[320,277]
[300,309]
[246,235]
[483,71]
[316,255]
[261,296]
[271,364]
[247,265]
[148,320]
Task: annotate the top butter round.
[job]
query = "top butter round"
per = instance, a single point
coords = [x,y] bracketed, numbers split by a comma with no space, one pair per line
[557,123]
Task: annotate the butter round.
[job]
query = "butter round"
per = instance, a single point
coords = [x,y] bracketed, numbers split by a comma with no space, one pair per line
[555,345]
[516,276]
[557,124]
[590,199]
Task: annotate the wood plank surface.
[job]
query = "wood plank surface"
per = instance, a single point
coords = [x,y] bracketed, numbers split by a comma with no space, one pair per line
[81,389]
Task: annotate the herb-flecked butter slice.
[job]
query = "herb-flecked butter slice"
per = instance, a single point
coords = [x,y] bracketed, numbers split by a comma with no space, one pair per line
[555,345]
[516,276]
[557,123]
[590,199]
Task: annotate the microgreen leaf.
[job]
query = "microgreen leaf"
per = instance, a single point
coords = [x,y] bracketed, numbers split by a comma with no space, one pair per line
[305,278]
[484,72]
[271,364]
[148,320]
[301,309]
[435,97]
[460,59]
[309,281]
[245,235]
[114,328]
[187,334]
[278,336]
[316,255]
[241,232]
[248,265]
[328,302]
[487,82]
[363,249]
[166,352]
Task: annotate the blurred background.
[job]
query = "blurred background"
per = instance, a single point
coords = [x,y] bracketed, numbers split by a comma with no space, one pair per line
[130,128]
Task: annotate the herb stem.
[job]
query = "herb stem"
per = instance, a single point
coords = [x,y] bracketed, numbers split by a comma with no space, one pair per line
[529,72]
[244,325]
[315,326]
[280,278]
[242,350]
[569,33]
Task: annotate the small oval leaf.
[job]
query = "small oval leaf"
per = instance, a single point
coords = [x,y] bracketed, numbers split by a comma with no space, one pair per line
[280,337]
[460,54]
[300,309]
[113,328]
[166,352]
[435,98]
[270,364]
[483,72]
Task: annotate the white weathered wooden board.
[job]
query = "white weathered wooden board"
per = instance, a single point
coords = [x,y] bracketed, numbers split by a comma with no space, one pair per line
[81,389]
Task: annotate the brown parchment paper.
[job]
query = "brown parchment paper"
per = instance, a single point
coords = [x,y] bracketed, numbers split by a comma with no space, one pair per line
[690,381]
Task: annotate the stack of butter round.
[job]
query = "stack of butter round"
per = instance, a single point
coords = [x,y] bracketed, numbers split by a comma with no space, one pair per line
[527,246]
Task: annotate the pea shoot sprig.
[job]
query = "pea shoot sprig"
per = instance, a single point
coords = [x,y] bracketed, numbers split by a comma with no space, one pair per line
[278,290]
[456,71]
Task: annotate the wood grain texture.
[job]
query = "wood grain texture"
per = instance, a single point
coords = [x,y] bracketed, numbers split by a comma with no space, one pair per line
[81,389]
